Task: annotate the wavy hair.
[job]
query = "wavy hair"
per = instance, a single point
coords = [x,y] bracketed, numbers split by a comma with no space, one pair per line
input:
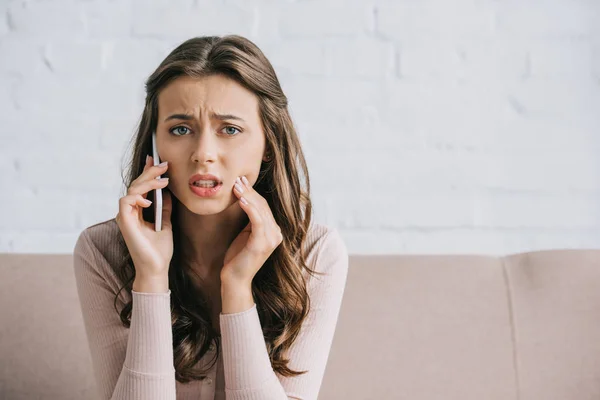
[279,287]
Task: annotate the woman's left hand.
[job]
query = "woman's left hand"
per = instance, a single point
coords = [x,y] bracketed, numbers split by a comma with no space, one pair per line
[256,242]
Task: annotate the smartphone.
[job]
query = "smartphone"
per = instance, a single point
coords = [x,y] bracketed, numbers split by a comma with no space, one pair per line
[158,203]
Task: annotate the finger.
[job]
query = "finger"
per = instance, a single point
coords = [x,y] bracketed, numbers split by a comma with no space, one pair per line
[128,207]
[151,172]
[256,218]
[147,165]
[148,162]
[167,209]
[254,197]
[144,187]
[249,189]
[261,205]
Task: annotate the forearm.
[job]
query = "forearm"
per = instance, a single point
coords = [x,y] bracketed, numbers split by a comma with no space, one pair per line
[150,338]
[148,371]
[248,371]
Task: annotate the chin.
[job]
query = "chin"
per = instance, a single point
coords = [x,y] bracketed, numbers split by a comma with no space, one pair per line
[209,206]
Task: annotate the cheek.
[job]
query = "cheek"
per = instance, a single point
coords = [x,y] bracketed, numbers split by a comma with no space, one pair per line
[241,163]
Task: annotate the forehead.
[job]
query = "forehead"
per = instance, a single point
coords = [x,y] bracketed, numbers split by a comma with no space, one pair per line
[215,93]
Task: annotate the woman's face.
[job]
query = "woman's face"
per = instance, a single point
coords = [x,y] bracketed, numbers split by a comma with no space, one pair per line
[209,125]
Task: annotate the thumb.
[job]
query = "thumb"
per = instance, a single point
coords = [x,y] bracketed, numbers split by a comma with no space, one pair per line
[167,209]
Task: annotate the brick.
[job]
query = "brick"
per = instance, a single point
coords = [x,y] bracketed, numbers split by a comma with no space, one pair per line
[133,60]
[560,171]
[298,57]
[561,59]
[27,210]
[389,209]
[22,56]
[326,19]
[63,131]
[74,60]
[91,97]
[98,13]
[537,210]
[361,58]
[181,23]
[330,97]
[8,98]
[39,242]
[58,19]
[555,19]
[94,170]
[544,97]
[435,19]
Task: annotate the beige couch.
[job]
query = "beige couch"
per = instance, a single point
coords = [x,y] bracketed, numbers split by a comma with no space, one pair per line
[419,327]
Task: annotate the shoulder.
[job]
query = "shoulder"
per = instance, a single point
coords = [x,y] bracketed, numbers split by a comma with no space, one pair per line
[100,250]
[103,238]
[326,250]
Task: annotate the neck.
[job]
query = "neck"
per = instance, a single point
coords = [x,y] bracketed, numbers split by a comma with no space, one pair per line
[207,238]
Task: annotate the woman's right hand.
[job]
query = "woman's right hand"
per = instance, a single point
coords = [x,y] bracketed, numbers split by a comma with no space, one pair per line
[151,251]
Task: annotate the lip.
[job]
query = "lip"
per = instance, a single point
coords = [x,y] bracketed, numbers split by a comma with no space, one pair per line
[205,192]
[207,177]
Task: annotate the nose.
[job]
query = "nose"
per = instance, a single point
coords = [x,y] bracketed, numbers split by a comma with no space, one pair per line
[205,147]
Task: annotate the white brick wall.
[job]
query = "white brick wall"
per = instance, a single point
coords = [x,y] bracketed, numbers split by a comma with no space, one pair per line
[465,126]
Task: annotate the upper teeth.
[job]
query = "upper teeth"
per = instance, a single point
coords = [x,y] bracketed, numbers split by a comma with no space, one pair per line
[202,182]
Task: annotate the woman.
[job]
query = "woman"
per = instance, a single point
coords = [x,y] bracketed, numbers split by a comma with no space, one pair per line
[238,296]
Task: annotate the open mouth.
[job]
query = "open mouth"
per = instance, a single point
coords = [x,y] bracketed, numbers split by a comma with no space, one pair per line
[206,189]
[206,184]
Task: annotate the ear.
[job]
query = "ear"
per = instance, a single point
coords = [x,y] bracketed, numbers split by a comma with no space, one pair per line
[267,156]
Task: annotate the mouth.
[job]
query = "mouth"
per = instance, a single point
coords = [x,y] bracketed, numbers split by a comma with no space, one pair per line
[206,188]
[205,180]
[206,184]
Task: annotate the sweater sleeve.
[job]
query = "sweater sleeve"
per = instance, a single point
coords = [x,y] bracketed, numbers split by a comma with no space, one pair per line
[247,367]
[134,363]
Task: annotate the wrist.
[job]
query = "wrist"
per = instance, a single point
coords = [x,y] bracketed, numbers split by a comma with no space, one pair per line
[236,297]
[151,284]
[235,286]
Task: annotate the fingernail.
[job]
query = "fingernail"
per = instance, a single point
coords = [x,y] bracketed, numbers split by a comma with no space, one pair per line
[147,159]
[243,200]
[163,164]
[245,181]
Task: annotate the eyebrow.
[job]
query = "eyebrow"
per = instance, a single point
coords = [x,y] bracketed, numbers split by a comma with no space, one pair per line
[221,117]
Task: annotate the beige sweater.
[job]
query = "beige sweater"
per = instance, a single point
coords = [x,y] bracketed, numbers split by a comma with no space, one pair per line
[137,363]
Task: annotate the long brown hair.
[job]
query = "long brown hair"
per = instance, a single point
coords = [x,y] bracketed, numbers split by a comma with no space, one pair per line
[279,287]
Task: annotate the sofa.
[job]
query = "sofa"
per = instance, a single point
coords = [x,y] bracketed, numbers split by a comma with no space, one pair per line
[523,326]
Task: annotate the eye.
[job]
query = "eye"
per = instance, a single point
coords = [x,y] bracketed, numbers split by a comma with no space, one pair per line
[228,130]
[178,127]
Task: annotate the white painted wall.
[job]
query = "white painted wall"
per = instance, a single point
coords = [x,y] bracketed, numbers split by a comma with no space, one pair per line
[431,126]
